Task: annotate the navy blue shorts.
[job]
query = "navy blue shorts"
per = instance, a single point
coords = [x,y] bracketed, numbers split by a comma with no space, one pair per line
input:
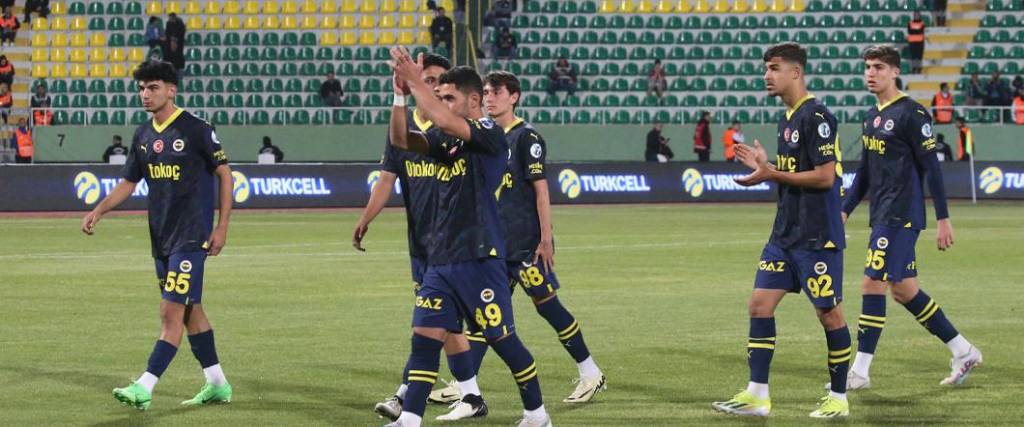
[818,273]
[419,268]
[180,277]
[474,291]
[891,254]
[536,280]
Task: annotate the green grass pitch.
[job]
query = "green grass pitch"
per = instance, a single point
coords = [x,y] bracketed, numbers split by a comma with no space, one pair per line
[311,332]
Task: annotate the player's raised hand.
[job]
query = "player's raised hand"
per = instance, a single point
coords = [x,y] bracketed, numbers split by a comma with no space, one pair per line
[944,238]
[404,66]
[217,240]
[358,234]
[545,253]
[89,222]
[754,158]
[400,87]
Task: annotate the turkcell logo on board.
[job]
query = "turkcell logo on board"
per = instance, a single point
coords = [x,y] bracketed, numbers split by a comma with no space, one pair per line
[90,188]
[992,180]
[245,187]
[696,183]
[573,184]
[373,178]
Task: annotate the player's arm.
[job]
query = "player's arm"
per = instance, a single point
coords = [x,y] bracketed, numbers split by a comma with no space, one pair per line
[546,248]
[121,192]
[378,199]
[919,133]
[398,132]
[821,177]
[429,105]
[859,188]
[220,233]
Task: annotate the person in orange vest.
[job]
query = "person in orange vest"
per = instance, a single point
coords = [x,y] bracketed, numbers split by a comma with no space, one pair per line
[942,105]
[965,145]
[732,136]
[6,71]
[915,38]
[1018,108]
[6,101]
[8,27]
[23,142]
[40,105]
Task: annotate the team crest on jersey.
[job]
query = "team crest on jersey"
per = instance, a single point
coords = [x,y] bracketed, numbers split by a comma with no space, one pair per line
[878,121]
[820,268]
[185,266]
[536,150]
[486,123]
[824,130]
[178,145]
[796,137]
[882,243]
[889,124]
[158,146]
[487,295]
[926,130]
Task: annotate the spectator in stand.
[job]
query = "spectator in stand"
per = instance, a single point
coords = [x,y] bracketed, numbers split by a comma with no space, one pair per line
[175,28]
[6,71]
[270,148]
[1017,85]
[965,145]
[42,7]
[460,12]
[330,91]
[502,13]
[915,38]
[997,92]
[441,30]
[942,105]
[154,33]
[1018,107]
[4,4]
[22,142]
[8,27]
[939,12]
[40,105]
[657,146]
[6,101]
[562,77]
[945,153]
[974,93]
[115,149]
[702,137]
[505,46]
[174,52]
[732,136]
[656,82]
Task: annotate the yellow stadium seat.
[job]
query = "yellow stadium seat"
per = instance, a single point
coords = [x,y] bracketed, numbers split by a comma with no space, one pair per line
[664,6]
[368,6]
[194,22]
[193,8]
[213,23]
[270,22]
[740,6]
[59,23]
[388,6]
[329,22]
[406,38]
[702,6]
[626,6]
[448,5]
[349,6]
[425,21]
[232,7]
[347,22]
[797,6]
[98,38]
[39,71]
[118,70]
[423,38]
[271,6]
[78,23]
[407,6]
[407,21]
[288,22]
[59,70]
[212,8]
[367,22]
[252,7]
[348,38]
[387,38]
[328,6]
[58,8]
[40,55]
[97,55]
[39,40]
[117,55]
[40,24]
[759,6]
[309,22]
[58,55]
[98,69]
[607,6]
[386,21]
[136,54]
[368,38]
[233,23]
[329,39]
[778,6]
[683,6]
[423,7]
[309,6]
[153,8]
[59,40]
[722,6]
[645,6]
[79,40]
[78,55]
[289,7]
[172,7]
[79,70]
[252,22]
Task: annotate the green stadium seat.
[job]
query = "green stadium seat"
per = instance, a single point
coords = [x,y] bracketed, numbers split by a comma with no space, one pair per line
[1012,67]
[254,101]
[77,118]
[260,117]
[251,39]
[215,101]
[78,86]
[60,101]
[698,84]
[675,22]
[271,38]
[98,86]
[540,21]
[620,85]
[560,21]
[240,117]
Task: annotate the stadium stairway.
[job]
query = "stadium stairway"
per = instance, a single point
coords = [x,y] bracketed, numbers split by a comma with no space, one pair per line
[19,56]
[947,49]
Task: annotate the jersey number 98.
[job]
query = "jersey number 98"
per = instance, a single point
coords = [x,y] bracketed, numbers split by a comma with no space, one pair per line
[531,277]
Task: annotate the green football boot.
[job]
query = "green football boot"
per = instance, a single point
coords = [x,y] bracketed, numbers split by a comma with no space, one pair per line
[134,395]
[211,394]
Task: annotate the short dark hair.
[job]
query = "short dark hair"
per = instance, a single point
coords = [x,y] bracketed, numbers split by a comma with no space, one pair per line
[435,60]
[884,53]
[943,85]
[465,79]
[117,138]
[506,80]
[266,139]
[156,70]
[789,52]
[736,122]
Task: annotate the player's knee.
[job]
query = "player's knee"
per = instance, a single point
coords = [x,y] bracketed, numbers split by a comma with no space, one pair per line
[903,293]
[439,334]
[541,300]
[758,308]
[872,287]
[831,318]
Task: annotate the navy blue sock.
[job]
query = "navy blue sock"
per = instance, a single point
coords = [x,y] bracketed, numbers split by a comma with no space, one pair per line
[760,348]
[929,315]
[462,366]
[204,349]
[839,353]
[423,363]
[161,357]
[477,349]
[872,320]
[566,326]
[405,373]
[524,370]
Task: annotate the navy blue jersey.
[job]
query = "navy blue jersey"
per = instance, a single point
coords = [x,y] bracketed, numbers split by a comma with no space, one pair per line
[466,225]
[808,218]
[177,160]
[416,179]
[517,199]
[898,151]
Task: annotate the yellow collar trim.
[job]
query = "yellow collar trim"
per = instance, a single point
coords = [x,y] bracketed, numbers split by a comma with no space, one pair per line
[891,101]
[514,123]
[159,128]
[800,103]
[423,125]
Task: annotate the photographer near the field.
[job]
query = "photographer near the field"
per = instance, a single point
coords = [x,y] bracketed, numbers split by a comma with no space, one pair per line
[657,146]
